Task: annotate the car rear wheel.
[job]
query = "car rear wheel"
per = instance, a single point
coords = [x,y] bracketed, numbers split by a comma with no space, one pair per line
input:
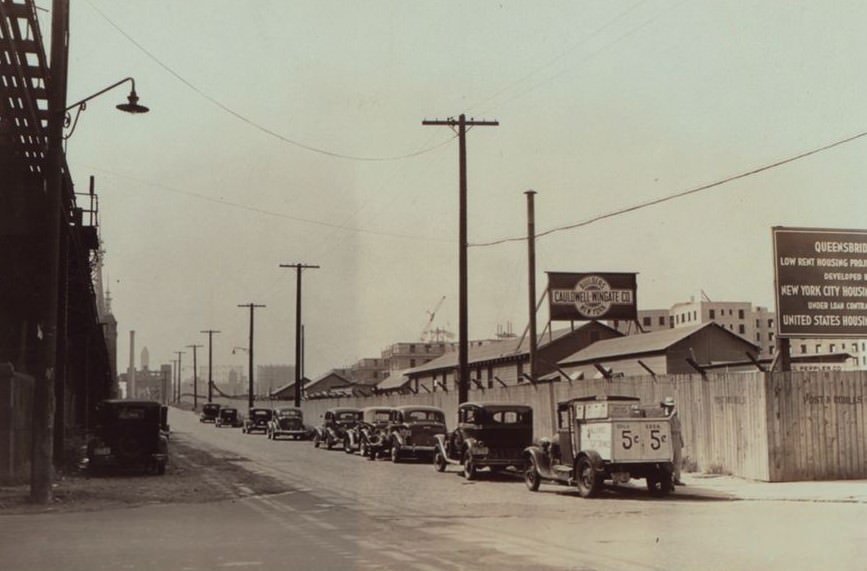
[531,476]
[395,453]
[589,482]
[316,441]
[471,471]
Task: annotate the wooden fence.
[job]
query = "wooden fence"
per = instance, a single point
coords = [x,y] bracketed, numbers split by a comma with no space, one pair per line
[769,427]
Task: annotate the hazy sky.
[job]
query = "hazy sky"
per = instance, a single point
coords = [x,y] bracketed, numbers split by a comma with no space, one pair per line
[602,105]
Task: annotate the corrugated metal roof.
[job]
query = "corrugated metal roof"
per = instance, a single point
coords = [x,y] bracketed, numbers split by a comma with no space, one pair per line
[395,380]
[494,350]
[643,343]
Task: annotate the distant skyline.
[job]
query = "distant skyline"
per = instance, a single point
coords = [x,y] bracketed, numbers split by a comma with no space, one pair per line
[286,131]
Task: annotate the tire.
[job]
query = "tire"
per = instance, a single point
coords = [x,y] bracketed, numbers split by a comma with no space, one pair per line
[439,462]
[316,441]
[329,443]
[347,445]
[531,476]
[660,482]
[471,471]
[395,453]
[362,448]
[588,481]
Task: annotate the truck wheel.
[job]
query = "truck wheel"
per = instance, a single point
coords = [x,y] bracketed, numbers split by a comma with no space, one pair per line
[471,471]
[439,462]
[586,477]
[531,476]
[660,482]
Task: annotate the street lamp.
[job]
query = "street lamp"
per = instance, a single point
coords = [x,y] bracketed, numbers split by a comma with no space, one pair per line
[131,106]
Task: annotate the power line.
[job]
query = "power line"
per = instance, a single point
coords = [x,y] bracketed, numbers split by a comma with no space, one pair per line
[254,124]
[257,210]
[678,194]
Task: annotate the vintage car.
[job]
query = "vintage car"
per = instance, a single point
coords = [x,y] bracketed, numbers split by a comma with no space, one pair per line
[288,421]
[228,417]
[335,423]
[128,434]
[257,420]
[370,436]
[209,412]
[604,438]
[492,435]
[413,429]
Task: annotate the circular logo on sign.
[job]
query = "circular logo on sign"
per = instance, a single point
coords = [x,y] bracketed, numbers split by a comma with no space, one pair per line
[592,296]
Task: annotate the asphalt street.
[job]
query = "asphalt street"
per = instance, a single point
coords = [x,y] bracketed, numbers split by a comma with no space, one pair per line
[341,511]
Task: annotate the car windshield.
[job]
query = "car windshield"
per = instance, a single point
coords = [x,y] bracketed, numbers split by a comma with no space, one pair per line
[289,412]
[347,415]
[261,413]
[378,415]
[424,416]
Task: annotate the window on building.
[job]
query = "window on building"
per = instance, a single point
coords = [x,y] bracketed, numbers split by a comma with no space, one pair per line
[803,349]
[671,321]
[662,321]
[490,377]
[740,314]
[742,329]
[520,372]
[646,321]
[758,323]
[819,348]
[771,348]
[770,322]
[771,336]
[412,348]
[712,313]
[758,336]
[427,348]
[695,316]
[832,348]
[412,362]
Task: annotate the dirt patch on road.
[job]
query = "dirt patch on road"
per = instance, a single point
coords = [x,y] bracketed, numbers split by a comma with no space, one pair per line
[192,476]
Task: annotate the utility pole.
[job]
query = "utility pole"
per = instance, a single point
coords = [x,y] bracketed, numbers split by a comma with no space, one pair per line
[210,333]
[195,378]
[463,341]
[180,377]
[174,380]
[531,257]
[42,439]
[252,307]
[298,358]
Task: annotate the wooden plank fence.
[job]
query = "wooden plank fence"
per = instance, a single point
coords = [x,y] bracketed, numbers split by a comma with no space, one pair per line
[769,427]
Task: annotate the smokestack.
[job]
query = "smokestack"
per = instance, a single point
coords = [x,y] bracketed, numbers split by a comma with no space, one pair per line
[130,383]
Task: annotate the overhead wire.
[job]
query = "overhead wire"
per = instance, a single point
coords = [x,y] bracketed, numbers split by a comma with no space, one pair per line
[253,123]
[677,195]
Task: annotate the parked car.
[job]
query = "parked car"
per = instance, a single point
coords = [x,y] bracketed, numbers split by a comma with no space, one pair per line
[128,434]
[210,411]
[228,417]
[288,421]
[257,420]
[335,423]
[493,435]
[604,438]
[370,436]
[412,431]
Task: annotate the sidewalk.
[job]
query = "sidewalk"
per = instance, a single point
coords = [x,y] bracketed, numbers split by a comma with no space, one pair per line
[712,486]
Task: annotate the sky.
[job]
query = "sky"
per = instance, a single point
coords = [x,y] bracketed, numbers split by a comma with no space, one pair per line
[283,131]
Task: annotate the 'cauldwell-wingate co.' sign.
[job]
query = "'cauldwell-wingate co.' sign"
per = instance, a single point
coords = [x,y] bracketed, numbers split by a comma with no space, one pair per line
[586,296]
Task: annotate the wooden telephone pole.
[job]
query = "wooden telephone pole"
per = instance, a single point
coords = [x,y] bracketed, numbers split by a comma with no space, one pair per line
[210,333]
[461,124]
[298,348]
[252,307]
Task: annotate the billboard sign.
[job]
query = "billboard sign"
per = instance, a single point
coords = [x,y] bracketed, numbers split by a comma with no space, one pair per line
[821,281]
[586,296]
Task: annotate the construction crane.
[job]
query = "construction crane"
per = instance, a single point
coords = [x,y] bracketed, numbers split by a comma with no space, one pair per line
[432,313]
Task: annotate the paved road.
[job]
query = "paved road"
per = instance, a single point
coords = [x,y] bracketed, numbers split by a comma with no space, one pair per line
[345,512]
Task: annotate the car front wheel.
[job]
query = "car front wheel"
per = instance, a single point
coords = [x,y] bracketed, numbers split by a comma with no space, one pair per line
[439,462]
[531,476]
[395,453]
[471,471]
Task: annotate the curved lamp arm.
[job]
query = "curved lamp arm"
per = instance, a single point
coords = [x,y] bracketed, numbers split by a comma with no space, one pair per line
[131,107]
